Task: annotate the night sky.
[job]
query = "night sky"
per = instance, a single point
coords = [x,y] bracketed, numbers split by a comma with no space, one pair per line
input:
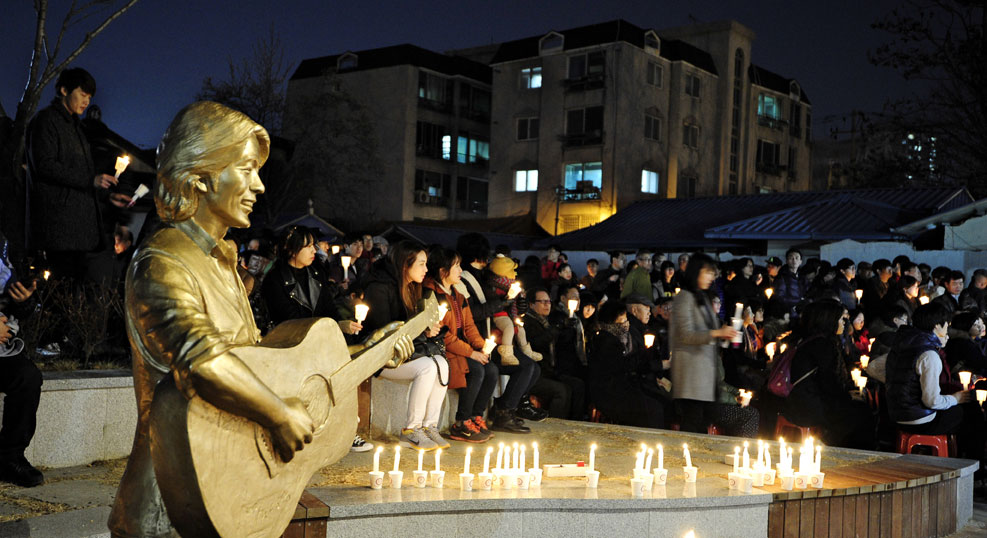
[151,62]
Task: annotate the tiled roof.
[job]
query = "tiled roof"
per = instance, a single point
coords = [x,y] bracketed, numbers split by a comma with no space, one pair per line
[397,55]
[773,81]
[684,223]
[606,32]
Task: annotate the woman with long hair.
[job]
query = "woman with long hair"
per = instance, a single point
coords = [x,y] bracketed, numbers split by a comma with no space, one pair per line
[471,373]
[393,292]
[821,395]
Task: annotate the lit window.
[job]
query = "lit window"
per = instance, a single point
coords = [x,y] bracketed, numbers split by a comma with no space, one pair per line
[652,127]
[472,150]
[692,85]
[690,135]
[531,78]
[767,106]
[649,181]
[583,180]
[526,180]
[654,74]
[447,147]
[527,128]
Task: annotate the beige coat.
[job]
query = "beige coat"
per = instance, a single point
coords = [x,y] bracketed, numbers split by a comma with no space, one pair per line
[694,351]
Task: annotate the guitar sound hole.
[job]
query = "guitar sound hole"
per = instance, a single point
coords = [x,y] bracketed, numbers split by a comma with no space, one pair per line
[317,397]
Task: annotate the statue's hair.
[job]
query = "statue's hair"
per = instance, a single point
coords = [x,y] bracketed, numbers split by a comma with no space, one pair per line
[202,140]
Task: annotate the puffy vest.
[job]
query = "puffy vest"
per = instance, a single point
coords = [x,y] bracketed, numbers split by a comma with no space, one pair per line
[903,386]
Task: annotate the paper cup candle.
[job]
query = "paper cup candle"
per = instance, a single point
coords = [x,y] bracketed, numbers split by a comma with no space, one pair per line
[138,194]
[981,396]
[335,249]
[377,458]
[346,260]
[649,340]
[770,350]
[514,290]
[768,292]
[466,462]
[489,344]
[864,361]
[438,460]
[397,457]
[360,312]
[859,294]
[121,165]
[486,460]
[965,379]
[923,300]
[592,457]
[443,310]
[573,304]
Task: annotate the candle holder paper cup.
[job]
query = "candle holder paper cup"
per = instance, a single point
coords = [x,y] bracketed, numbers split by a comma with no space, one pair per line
[787,482]
[523,480]
[637,487]
[661,476]
[746,484]
[376,479]
[421,478]
[438,478]
[649,481]
[691,473]
[396,478]
[768,477]
[802,480]
[592,479]
[535,476]
[733,480]
[757,478]
[689,490]
[816,480]
[486,481]
[466,481]
[506,481]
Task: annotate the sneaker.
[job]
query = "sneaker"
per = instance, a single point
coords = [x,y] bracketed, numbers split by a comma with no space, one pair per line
[481,425]
[504,420]
[360,445]
[20,471]
[529,412]
[433,433]
[417,438]
[51,350]
[465,430]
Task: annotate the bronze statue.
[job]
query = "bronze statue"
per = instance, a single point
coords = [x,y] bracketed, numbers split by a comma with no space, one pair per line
[229,429]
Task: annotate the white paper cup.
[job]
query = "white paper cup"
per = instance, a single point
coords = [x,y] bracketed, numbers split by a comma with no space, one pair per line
[661,477]
[768,477]
[649,482]
[376,479]
[438,478]
[801,480]
[522,480]
[535,476]
[733,480]
[816,480]
[396,478]
[757,477]
[689,490]
[639,473]
[637,487]
[746,484]
[466,481]
[505,480]
[485,481]
[787,481]
[592,479]
[421,478]
[691,473]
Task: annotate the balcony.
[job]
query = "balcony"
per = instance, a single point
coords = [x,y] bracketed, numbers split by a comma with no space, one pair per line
[774,123]
[583,84]
[592,138]
[585,190]
[475,115]
[422,197]
[773,169]
[438,106]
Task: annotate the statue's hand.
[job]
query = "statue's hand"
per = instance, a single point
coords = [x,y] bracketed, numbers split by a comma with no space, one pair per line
[294,431]
[403,349]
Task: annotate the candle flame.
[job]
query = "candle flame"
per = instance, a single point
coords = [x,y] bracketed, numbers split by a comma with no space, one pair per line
[690,534]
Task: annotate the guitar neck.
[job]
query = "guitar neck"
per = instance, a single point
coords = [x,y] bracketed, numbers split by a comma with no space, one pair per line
[374,358]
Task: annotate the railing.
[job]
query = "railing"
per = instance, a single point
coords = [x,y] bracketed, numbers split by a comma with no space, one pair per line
[582,84]
[594,138]
[579,195]
[769,168]
[774,123]
[438,106]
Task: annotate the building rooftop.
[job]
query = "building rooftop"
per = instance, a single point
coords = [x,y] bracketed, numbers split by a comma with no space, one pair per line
[406,54]
[773,81]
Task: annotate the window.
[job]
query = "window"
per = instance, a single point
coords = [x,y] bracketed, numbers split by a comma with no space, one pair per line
[525,180]
[432,140]
[583,121]
[471,194]
[768,157]
[795,119]
[767,106]
[692,85]
[649,181]
[472,149]
[530,78]
[474,102]
[527,128]
[690,135]
[654,74]
[651,41]
[435,91]
[738,64]
[808,126]
[792,163]
[346,61]
[583,181]
[687,186]
[586,65]
[551,42]
[432,188]
[652,127]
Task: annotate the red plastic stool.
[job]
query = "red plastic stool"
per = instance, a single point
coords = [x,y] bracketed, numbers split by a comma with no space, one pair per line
[596,416]
[535,402]
[712,429]
[943,445]
[782,425]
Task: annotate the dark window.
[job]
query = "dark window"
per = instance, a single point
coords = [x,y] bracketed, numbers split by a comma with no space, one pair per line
[687,186]
[471,194]
[651,41]
[768,157]
[652,127]
[586,65]
[435,91]
[654,74]
[690,135]
[432,140]
[693,85]
[581,121]
[474,102]
[432,188]
[553,41]
[527,128]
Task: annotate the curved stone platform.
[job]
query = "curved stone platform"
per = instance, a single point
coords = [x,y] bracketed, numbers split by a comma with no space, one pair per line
[865,494]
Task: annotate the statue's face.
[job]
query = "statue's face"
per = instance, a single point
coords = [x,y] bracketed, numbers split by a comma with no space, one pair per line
[230,198]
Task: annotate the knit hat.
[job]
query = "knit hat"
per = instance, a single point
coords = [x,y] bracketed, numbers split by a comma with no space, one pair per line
[503,266]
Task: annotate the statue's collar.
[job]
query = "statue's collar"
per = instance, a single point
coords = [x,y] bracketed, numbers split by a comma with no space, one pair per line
[206,242]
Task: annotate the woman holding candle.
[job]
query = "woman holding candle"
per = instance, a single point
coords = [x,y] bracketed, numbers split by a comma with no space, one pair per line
[963,351]
[393,292]
[471,373]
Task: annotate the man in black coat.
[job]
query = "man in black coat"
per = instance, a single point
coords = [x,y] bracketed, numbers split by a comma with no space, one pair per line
[64,209]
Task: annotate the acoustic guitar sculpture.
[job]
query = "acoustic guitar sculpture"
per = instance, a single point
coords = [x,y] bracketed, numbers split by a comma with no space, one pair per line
[224,477]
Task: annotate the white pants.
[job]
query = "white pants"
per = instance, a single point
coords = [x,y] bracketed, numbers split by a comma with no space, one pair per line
[425,400]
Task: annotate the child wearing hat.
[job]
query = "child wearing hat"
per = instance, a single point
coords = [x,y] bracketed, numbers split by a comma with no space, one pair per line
[504,274]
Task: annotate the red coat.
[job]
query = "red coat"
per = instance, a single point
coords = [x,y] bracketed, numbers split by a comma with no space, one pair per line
[462,338]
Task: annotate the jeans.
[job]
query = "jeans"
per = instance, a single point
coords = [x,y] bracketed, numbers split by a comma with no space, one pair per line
[20,381]
[481,380]
[565,395]
[524,375]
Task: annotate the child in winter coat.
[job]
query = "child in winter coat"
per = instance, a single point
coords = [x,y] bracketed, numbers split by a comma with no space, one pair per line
[504,274]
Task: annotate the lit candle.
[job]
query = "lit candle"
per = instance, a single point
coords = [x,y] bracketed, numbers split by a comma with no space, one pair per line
[981,396]
[334,249]
[466,463]
[747,457]
[861,383]
[346,266]
[649,340]
[770,350]
[438,456]
[739,311]
[864,361]
[965,379]
[47,274]
[521,466]
[518,322]
[443,309]
[647,463]
[486,460]
[534,447]
[514,290]
[421,458]
[639,460]
[782,348]
[661,456]
[788,462]
[489,344]
[573,304]
[121,165]
[923,300]
[377,458]
[500,456]
[360,312]
[688,458]
[736,459]
[592,457]
[760,454]
[767,456]
[855,374]
[859,294]
[677,290]
[768,292]
[870,344]
[397,457]
[818,458]
[514,456]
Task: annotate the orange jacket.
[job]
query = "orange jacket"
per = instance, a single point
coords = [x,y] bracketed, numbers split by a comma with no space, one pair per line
[462,338]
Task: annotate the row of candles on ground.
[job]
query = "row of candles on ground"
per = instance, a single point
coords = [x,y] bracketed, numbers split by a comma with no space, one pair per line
[746,475]
[508,472]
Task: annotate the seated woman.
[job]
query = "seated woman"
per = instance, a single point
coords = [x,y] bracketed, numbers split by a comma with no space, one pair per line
[470,371]
[821,395]
[613,373]
[393,291]
[962,350]
[914,371]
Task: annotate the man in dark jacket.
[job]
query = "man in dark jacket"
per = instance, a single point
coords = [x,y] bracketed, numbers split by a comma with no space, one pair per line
[64,209]
[607,281]
[564,394]
[788,287]
[843,283]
